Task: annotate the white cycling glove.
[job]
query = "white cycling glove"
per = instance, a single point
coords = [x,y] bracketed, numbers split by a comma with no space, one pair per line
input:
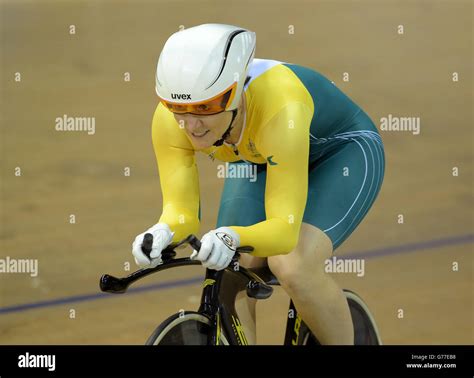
[217,248]
[162,237]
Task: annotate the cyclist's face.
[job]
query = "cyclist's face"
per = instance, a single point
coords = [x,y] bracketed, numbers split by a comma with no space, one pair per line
[204,130]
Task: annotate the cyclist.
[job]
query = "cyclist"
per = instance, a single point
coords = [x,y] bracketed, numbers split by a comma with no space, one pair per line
[319,161]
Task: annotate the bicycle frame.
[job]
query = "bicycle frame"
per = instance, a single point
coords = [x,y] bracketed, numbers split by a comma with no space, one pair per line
[218,304]
[218,299]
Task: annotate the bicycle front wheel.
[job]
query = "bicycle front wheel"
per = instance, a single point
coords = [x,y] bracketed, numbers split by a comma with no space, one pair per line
[188,328]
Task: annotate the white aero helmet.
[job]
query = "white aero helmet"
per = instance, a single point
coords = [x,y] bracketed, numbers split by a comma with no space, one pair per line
[202,70]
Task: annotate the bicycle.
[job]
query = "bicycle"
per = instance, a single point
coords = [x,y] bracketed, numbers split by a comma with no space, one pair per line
[216,321]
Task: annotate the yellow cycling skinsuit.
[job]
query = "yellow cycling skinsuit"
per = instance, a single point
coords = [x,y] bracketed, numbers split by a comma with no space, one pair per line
[320,160]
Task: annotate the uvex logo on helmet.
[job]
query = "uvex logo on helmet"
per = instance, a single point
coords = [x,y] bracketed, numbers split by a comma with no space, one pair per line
[180,96]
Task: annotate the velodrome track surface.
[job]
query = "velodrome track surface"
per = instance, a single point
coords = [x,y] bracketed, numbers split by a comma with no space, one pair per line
[408,266]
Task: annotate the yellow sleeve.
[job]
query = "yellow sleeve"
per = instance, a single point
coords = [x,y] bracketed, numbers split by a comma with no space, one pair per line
[284,142]
[178,175]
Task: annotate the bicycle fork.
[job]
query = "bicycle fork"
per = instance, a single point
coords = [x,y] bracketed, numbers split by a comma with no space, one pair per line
[210,304]
[293,326]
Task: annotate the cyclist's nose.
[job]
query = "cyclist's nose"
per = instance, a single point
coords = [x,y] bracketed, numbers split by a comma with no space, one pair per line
[193,123]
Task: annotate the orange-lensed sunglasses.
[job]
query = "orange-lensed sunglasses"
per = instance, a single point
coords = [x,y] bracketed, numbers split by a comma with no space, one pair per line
[214,105]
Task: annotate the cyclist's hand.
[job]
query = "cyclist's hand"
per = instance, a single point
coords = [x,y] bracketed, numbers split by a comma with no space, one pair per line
[162,236]
[217,248]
